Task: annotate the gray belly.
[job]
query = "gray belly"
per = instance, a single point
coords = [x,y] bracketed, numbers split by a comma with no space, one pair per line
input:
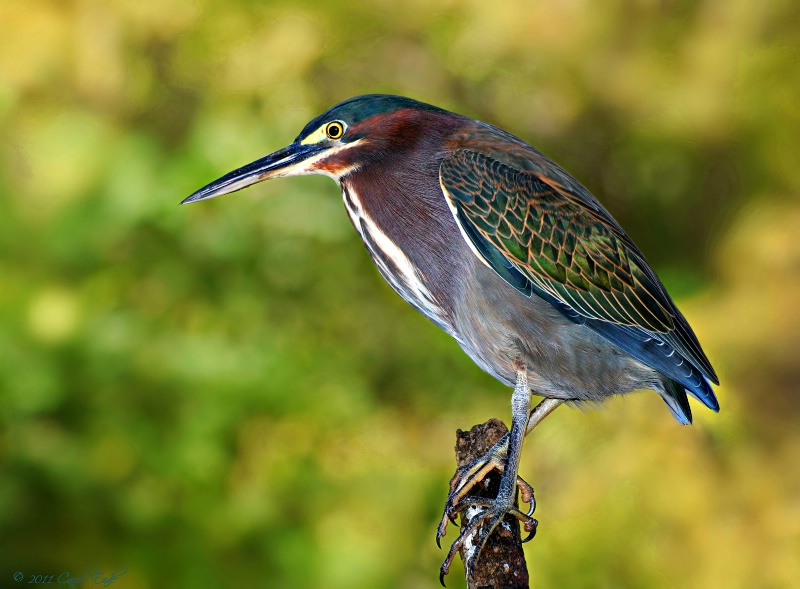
[501,329]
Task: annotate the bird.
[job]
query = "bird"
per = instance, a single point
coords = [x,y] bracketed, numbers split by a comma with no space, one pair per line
[511,256]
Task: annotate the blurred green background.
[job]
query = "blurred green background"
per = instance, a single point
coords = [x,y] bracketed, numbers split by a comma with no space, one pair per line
[228,395]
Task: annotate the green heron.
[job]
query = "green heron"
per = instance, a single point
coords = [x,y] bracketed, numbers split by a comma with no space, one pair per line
[510,255]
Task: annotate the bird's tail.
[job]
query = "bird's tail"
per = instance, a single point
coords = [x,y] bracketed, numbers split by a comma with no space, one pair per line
[674,395]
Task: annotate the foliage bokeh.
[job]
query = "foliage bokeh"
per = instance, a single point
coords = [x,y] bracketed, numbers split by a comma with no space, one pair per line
[227,395]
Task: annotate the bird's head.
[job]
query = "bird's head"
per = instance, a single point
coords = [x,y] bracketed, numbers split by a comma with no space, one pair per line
[351,135]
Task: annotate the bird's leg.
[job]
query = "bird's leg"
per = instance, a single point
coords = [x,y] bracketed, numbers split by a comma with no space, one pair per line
[542,410]
[472,473]
[504,456]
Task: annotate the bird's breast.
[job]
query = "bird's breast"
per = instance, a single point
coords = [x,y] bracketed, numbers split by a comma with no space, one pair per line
[399,264]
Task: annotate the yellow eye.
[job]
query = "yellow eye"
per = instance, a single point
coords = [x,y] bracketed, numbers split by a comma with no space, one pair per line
[334,130]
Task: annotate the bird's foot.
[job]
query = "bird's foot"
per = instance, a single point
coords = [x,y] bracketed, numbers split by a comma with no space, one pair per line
[482,515]
[481,518]
[472,473]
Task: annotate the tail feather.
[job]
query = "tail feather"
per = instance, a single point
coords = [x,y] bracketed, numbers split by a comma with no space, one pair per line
[674,396]
[705,394]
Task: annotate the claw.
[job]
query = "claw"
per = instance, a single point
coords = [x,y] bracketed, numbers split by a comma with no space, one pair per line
[529,537]
[531,507]
[441,531]
[530,526]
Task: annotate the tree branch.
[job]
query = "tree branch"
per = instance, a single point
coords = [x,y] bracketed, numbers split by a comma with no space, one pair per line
[502,561]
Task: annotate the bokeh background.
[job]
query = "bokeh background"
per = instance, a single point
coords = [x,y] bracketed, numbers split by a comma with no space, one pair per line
[228,395]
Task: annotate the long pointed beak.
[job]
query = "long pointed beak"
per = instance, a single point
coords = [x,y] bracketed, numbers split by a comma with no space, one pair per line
[283,162]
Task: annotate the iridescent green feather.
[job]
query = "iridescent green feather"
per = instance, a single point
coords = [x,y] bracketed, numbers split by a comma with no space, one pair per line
[556,241]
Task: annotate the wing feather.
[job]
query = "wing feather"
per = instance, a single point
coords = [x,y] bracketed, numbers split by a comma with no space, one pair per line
[545,236]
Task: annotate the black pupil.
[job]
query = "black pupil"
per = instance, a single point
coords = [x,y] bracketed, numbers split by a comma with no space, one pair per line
[334,131]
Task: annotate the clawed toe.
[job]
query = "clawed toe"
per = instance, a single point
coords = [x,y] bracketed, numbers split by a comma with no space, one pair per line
[526,494]
[530,527]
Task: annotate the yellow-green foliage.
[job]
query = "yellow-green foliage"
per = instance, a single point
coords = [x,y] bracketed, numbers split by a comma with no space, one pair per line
[227,394]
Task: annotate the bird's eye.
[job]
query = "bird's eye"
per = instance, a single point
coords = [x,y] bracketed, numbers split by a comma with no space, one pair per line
[334,130]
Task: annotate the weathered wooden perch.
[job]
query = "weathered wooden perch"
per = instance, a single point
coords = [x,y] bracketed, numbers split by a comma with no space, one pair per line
[502,561]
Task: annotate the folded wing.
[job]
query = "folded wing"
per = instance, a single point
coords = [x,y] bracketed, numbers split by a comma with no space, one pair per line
[553,239]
